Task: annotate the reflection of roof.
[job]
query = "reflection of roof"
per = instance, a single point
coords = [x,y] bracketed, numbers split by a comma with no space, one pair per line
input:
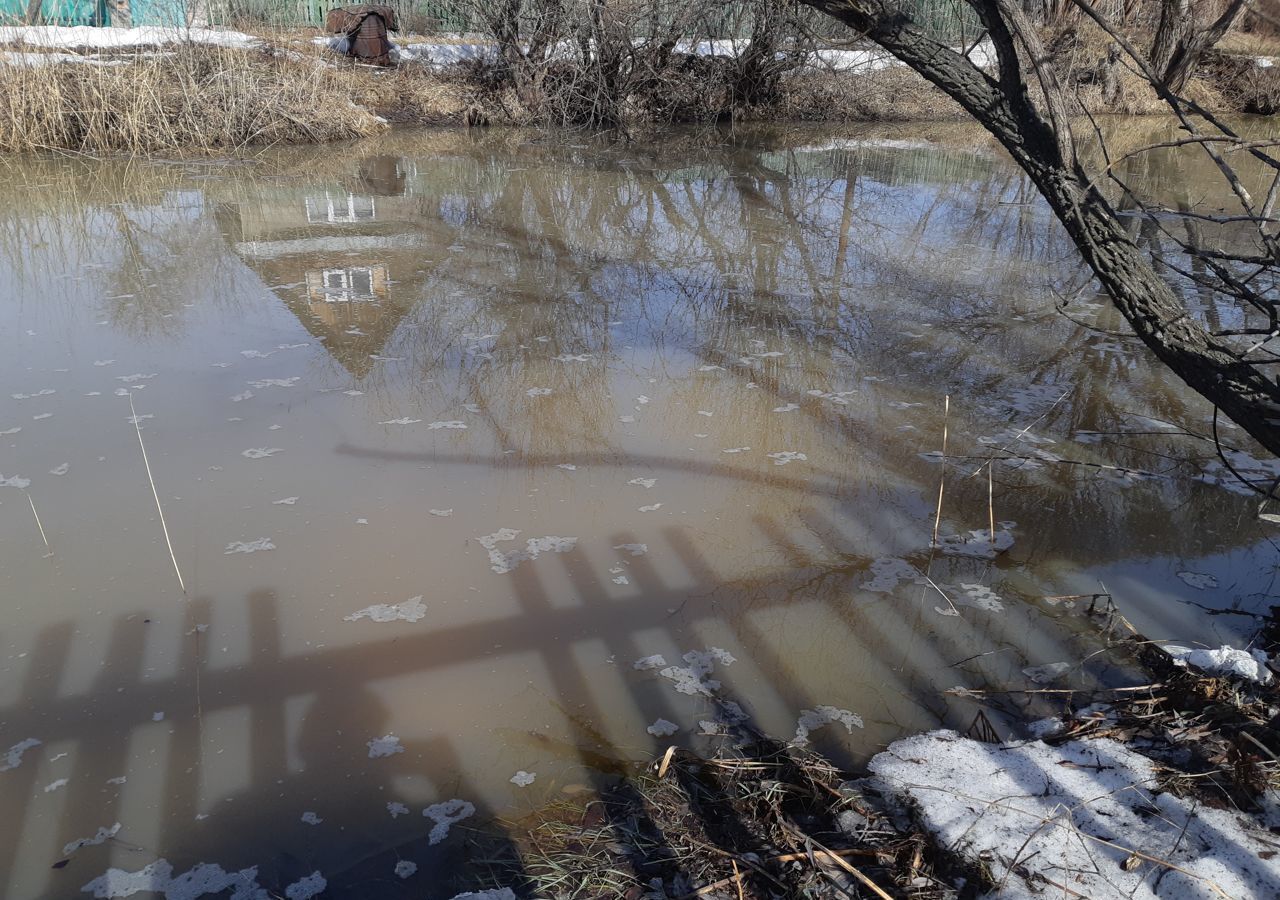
[346,266]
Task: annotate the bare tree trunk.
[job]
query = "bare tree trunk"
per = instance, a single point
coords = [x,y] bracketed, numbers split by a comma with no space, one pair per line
[34,16]
[1044,150]
[1178,45]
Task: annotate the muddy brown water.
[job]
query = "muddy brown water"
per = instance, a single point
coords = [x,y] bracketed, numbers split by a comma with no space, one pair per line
[450,431]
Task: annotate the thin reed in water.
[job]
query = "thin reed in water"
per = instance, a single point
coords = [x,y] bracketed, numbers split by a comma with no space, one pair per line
[38,525]
[156,494]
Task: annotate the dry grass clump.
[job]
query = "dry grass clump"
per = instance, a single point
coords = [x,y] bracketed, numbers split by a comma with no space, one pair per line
[184,97]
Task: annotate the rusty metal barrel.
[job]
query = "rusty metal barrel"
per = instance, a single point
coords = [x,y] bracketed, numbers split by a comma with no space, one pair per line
[365,27]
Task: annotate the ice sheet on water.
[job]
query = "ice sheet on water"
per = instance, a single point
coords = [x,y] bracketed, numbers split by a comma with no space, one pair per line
[401,421]
[663,728]
[450,424]
[285,501]
[102,835]
[692,678]
[445,815]
[255,354]
[977,544]
[275,382]
[887,572]
[568,467]
[523,778]
[644,482]
[1031,814]
[1250,665]
[1048,673]
[410,610]
[979,596]
[136,376]
[441,512]
[633,549]
[261,452]
[62,469]
[387,745]
[1198,580]
[249,546]
[783,457]
[13,430]
[158,878]
[13,756]
[653,507]
[502,563]
[308,886]
[37,418]
[811,720]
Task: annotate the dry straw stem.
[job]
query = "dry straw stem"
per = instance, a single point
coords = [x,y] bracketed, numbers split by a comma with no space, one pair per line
[156,495]
[38,525]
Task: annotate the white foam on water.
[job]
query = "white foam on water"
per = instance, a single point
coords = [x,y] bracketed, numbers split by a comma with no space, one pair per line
[198,881]
[451,424]
[286,501]
[404,868]
[15,481]
[387,745]
[633,549]
[13,430]
[102,835]
[13,756]
[402,421]
[663,728]
[736,450]
[441,512]
[644,482]
[261,452]
[275,382]
[783,457]
[55,785]
[657,661]
[397,809]
[980,596]
[651,508]
[311,818]
[538,392]
[693,678]
[523,778]
[44,392]
[61,469]
[887,572]
[502,563]
[445,815]
[308,886]
[790,407]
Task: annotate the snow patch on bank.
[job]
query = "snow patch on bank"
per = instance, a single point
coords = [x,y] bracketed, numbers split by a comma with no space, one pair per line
[1040,817]
[1250,665]
[92,37]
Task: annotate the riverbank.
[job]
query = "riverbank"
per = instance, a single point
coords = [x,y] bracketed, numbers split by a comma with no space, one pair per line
[1164,788]
[147,91]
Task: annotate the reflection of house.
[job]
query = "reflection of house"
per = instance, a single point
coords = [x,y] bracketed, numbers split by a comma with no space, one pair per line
[329,254]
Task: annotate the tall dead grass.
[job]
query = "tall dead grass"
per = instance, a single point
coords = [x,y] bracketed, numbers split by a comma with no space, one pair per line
[185,97]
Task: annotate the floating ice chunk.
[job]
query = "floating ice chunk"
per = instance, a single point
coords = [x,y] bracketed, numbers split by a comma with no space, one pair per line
[621,579]
[626,420]
[523,778]
[45,392]
[405,868]
[286,501]
[37,418]
[261,452]
[887,572]
[580,357]
[446,814]
[275,382]
[706,412]
[1248,664]
[976,544]
[13,430]
[306,887]
[441,512]
[119,779]
[362,521]
[633,549]
[200,880]
[255,354]
[837,397]
[663,728]
[491,894]
[1048,673]
[311,818]
[644,482]
[657,661]
[410,610]
[736,450]
[403,421]
[902,404]
[790,407]
[103,362]
[710,368]
[60,470]
[770,354]
[157,717]
[102,835]
[136,376]
[786,456]
[651,508]
[397,809]
[354,393]
[453,424]
[502,563]
[249,546]
[387,745]
[820,716]
[13,756]
[243,395]
[692,679]
[568,467]
[1199,581]
[55,785]
[538,392]
[981,597]
[292,346]
[15,481]
[642,400]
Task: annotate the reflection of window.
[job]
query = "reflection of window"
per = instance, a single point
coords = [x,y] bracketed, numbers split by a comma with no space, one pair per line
[347,285]
[350,208]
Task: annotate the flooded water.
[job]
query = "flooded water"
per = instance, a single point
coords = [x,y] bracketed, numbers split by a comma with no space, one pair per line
[454,434]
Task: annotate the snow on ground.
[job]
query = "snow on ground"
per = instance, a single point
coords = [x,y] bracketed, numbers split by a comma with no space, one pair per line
[1248,664]
[1080,819]
[89,37]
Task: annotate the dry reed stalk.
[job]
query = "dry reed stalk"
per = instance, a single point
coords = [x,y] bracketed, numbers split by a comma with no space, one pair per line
[38,525]
[937,517]
[156,494]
